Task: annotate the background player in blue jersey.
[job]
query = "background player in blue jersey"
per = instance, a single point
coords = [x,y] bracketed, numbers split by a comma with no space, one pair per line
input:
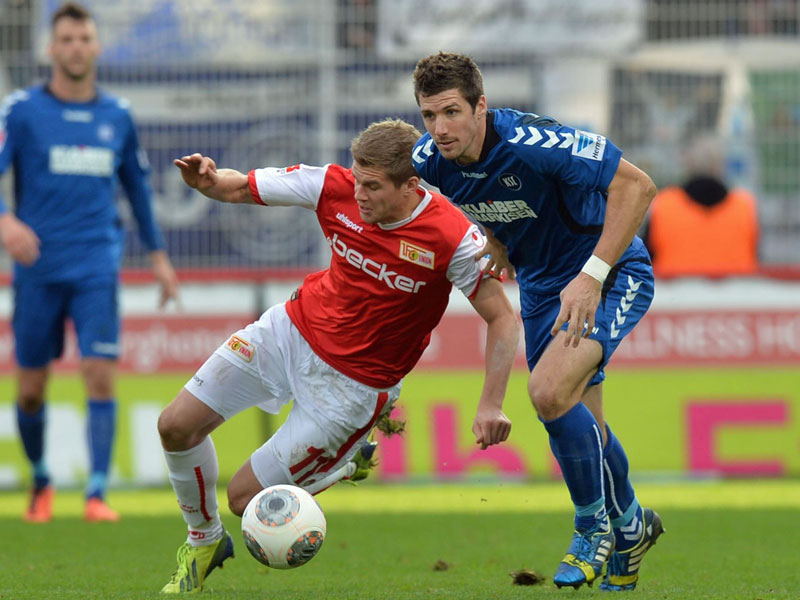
[68,143]
[566,206]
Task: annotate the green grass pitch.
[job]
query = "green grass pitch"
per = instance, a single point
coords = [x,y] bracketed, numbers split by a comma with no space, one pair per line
[723,540]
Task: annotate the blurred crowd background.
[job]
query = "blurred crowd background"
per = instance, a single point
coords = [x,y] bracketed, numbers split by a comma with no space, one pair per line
[274,83]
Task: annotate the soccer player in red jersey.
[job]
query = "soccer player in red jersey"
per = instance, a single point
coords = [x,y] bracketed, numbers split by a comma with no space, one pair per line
[342,344]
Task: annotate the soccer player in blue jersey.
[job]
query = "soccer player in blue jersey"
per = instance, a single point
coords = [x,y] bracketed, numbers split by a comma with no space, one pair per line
[565,206]
[68,143]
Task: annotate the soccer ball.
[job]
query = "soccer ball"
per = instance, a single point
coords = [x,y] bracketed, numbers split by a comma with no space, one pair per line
[283,526]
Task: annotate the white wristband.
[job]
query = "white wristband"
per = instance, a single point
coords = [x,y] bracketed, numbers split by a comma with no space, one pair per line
[596,267]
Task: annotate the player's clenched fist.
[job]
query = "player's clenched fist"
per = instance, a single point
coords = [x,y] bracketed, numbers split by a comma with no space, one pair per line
[490,427]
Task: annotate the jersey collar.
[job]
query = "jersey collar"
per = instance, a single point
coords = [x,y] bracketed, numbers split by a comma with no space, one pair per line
[47,90]
[491,139]
[426,199]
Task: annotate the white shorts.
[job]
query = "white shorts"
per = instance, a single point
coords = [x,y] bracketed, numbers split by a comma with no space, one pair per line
[268,364]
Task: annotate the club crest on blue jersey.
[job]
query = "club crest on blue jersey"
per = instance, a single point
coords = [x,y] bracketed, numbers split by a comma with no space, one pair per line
[510,182]
[105,132]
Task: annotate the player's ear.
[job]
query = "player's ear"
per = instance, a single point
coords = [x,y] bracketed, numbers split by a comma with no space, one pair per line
[411,185]
[481,107]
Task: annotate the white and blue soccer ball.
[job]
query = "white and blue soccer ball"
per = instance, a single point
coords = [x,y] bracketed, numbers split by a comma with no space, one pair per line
[283,526]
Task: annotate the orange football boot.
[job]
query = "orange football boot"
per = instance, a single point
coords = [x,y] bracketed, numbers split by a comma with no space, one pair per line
[40,509]
[98,511]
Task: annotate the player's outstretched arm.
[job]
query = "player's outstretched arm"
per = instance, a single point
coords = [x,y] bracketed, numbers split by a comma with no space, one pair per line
[498,264]
[225,185]
[491,426]
[629,195]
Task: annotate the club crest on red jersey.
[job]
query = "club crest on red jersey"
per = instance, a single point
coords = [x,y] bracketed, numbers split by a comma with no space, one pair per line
[417,254]
[245,350]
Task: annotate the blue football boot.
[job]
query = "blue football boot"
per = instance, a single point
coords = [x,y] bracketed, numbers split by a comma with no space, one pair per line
[586,556]
[623,567]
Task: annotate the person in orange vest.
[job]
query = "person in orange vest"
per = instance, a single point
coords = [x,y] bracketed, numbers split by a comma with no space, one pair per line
[702,228]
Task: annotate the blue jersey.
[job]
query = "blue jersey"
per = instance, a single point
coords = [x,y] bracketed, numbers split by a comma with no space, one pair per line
[67,158]
[539,186]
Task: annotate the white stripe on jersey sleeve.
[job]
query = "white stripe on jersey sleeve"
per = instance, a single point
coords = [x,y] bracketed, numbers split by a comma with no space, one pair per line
[300,185]
[464,271]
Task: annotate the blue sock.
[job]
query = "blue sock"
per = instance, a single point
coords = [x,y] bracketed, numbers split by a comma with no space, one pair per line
[577,444]
[621,502]
[102,421]
[31,432]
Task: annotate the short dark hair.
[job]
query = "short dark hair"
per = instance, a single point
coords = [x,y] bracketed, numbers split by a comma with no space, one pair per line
[387,145]
[70,10]
[444,71]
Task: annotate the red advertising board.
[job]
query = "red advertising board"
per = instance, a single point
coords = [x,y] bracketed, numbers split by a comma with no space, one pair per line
[695,338]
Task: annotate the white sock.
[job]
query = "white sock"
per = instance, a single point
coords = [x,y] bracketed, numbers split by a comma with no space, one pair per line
[193,474]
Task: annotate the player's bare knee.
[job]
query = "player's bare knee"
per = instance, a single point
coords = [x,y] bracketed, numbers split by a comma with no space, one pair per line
[545,399]
[174,436]
[29,402]
[31,385]
[237,502]
[99,377]
[164,427]
[101,389]
[99,384]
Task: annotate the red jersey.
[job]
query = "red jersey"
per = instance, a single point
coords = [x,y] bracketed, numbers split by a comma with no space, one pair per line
[371,313]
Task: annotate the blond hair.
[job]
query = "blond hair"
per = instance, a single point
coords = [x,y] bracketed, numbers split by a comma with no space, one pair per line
[387,145]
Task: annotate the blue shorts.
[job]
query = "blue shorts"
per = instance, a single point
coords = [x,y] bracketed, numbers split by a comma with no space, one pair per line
[41,311]
[627,294]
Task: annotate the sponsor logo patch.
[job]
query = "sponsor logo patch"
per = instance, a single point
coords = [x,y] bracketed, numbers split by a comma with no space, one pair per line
[187,508]
[245,350]
[81,160]
[105,347]
[77,116]
[349,222]
[381,272]
[416,254]
[588,145]
[499,211]
[285,170]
